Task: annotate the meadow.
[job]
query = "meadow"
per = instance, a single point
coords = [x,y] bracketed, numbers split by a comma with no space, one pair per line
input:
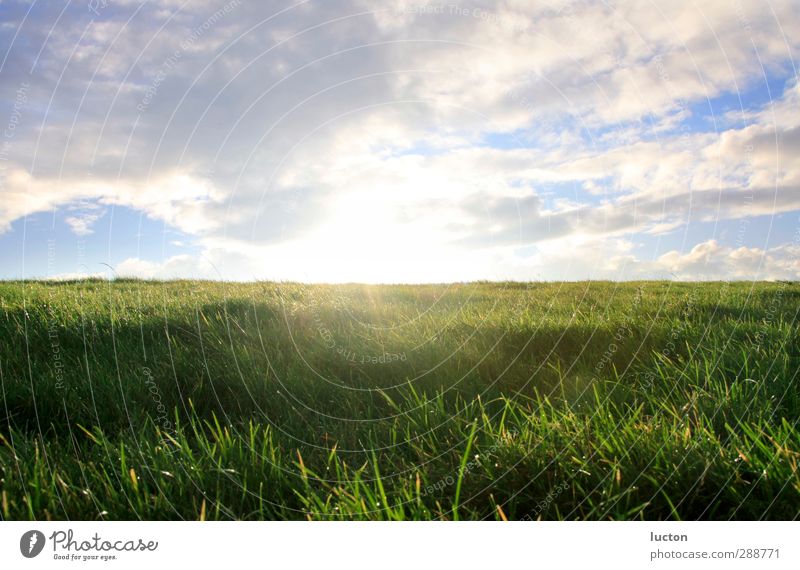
[195,400]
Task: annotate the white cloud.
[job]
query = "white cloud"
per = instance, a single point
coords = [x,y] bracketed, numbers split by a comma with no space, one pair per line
[341,132]
[178,266]
[74,276]
[176,198]
[710,260]
[84,216]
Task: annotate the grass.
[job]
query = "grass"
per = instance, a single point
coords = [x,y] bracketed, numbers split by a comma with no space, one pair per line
[594,400]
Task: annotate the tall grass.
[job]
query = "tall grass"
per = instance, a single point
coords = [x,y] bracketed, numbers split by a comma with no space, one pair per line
[594,400]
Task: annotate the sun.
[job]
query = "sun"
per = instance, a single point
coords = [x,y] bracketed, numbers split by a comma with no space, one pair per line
[368,237]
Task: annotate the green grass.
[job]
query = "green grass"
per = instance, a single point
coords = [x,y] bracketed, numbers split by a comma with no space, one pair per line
[594,400]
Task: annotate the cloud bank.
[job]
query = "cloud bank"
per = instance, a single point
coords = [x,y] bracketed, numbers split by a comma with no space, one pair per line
[412,141]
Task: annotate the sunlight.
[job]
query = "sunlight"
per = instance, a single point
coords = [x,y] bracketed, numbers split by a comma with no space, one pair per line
[364,241]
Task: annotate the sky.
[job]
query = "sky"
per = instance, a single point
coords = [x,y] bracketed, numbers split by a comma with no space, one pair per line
[400,141]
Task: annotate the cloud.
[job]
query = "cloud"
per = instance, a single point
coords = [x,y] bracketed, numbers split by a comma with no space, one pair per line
[74,276]
[582,257]
[403,131]
[86,214]
[178,266]
[710,260]
[175,198]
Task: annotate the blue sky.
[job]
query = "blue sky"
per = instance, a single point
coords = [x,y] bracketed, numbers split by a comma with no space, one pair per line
[322,141]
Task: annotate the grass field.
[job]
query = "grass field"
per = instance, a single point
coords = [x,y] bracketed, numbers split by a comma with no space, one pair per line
[592,400]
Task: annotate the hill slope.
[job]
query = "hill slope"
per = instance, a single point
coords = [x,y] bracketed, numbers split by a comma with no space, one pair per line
[589,400]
